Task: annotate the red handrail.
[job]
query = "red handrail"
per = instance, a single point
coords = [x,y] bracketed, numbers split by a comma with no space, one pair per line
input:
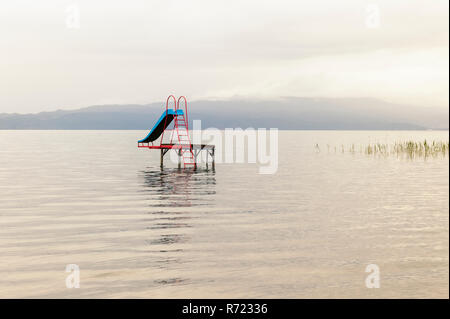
[185,110]
[167,112]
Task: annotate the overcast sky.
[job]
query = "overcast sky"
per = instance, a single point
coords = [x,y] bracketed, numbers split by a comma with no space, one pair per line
[58,54]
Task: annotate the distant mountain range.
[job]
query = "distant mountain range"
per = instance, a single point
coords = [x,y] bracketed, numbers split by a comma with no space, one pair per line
[284,113]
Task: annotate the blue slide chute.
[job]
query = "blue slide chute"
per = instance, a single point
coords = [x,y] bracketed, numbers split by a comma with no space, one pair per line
[161,125]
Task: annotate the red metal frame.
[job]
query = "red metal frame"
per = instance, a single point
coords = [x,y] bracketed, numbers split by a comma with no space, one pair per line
[181,125]
[167,110]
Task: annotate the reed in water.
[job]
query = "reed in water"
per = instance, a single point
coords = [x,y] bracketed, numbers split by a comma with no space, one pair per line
[410,149]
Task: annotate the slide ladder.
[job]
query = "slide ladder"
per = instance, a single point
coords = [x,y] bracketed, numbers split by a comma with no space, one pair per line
[182,128]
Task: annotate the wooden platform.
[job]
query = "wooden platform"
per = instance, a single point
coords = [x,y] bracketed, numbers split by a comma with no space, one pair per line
[177,146]
[196,149]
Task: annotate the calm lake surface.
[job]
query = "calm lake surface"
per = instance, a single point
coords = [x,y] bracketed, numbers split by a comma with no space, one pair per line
[92,198]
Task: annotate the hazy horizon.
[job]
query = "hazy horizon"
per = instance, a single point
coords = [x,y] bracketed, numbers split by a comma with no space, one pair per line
[70,108]
[282,113]
[74,54]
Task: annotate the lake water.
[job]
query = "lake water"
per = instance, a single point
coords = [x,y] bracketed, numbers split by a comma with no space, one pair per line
[93,199]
